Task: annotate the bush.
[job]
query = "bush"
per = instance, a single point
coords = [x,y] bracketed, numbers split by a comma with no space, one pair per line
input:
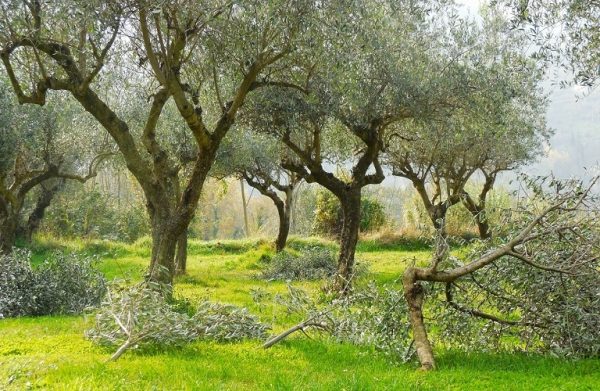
[63,284]
[329,219]
[16,283]
[93,214]
[313,263]
[139,316]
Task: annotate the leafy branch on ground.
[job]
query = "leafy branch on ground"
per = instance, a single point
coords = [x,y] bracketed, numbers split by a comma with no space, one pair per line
[62,284]
[140,316]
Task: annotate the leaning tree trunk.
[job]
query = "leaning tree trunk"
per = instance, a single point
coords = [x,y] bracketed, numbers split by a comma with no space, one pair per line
[349,237]
[414,295]
[181,254]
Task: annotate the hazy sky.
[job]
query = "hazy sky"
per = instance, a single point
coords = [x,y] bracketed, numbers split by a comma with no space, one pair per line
[576,123]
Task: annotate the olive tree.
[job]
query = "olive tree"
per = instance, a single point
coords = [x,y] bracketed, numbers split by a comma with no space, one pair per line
[257,160]
[37,149]
[498,127]
[371,72]
[204,56]
[540,276]
[565,33]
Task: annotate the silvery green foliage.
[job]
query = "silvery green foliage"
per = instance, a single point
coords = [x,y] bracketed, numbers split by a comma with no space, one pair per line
[378,317]
[139,315]
[223,322]
[16,278]
[547,296]
[564,33]
[63,284]
[369,316]
[551,312]
[313,263]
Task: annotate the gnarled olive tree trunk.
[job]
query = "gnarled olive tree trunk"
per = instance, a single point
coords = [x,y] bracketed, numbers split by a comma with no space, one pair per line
[42,203]
[181,254]
[283,211]
[263,182]
[350,202]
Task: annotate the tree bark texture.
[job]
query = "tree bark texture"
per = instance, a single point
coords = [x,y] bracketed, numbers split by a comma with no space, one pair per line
[284,210]
[181,254]
[350,202]
[37,215]
[8,232]
[414,296]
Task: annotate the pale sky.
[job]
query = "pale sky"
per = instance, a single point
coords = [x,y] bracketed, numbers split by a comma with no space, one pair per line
[576,123]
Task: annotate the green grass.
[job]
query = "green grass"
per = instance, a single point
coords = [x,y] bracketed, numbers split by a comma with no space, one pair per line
[52,353]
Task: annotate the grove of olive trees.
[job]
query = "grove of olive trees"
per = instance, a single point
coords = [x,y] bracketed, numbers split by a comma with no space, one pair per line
[127,127]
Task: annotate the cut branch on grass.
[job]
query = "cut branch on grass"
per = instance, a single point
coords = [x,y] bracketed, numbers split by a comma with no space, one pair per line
[302,326]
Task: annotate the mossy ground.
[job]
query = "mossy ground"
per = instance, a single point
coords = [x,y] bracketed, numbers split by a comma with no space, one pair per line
[52,353]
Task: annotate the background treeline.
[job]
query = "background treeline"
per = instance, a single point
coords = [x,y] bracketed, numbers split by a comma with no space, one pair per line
[111,207]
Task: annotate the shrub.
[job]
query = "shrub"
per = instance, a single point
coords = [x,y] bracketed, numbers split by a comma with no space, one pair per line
[312,264]
[329,219]
[139,316]
[93,214]
[63,284]
[16,281]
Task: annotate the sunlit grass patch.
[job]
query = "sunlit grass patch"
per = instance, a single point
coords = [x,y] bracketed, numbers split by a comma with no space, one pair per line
[52,353]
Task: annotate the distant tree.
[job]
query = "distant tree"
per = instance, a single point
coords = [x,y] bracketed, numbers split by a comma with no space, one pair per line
[257,160]
[499,127]
[205,56]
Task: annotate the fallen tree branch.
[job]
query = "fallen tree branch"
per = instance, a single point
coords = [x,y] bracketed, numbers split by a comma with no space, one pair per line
[310,322]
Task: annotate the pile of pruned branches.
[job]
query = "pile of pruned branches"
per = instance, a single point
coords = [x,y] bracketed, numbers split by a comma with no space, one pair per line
[62,284]
[141,316]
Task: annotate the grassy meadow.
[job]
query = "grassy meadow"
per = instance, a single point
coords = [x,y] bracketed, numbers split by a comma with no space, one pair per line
[52,353]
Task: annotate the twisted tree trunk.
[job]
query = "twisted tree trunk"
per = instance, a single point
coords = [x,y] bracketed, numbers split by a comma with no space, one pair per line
[8,232]
[43,202]
[479,214]
[283,210]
